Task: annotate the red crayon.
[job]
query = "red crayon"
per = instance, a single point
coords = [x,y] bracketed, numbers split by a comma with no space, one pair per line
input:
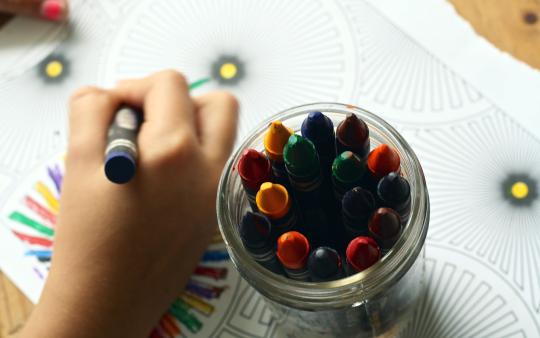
[293,252]
[385,227]
[362,252]
[254,169]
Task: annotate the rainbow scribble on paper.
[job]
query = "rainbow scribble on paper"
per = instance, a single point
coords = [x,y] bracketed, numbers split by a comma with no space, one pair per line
[33,222]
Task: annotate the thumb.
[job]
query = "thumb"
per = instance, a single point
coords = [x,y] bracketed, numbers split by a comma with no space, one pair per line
[53,10]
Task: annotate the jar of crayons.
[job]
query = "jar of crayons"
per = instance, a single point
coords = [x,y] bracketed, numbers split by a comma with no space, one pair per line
[324,210]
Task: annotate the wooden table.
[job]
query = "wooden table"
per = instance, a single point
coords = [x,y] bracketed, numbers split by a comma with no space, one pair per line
[512,25]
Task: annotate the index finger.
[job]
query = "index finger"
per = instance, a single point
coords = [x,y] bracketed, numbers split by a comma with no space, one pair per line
[164,97]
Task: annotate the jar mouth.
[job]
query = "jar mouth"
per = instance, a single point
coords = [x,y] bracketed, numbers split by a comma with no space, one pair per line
[361,286]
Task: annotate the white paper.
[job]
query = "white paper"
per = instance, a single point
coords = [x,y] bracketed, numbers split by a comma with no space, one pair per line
[509,83]
[464,125]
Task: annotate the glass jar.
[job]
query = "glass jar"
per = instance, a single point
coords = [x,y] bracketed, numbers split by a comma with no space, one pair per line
[374,302]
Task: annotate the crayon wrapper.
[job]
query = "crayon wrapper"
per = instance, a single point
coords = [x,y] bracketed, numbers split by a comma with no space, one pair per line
[122,134]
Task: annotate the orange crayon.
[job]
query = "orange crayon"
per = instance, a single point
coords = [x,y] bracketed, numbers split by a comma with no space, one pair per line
[293,252]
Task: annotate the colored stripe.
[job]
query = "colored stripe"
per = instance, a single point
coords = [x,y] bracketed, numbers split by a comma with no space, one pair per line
[180,311]
[39,253]
[215,256]
[197,303]
[52,201]
[170,324]
[18,217]
[165,326]
[198,83]
[39,209]
[56,175]
[155,334]
[33,239]
[204,290]
[38,273]
[216,273]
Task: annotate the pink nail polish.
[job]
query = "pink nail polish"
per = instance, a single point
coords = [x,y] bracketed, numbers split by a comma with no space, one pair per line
[53,10]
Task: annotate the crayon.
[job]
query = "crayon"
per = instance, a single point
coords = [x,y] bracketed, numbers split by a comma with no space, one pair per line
[324,264]
[357,206]
[215,256]
[362,252]
[256,234]
[274,141]
[292,252]
[385,227]
[382,161]
[180,311]
[304,170]
[216,273]
[319,129]
[204,290]
[197,303]
[254,169]
[121,152]
[347,172]
[352,134]
[394,191]
[274,202]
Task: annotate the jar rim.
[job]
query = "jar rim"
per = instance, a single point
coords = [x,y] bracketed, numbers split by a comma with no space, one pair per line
[352,289]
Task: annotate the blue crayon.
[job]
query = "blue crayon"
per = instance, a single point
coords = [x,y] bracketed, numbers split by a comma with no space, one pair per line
[394,191]
[319,129]
[256,234]
[324,264]
[121,152]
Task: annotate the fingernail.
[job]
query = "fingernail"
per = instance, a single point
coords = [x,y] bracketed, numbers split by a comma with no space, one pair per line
[53,10]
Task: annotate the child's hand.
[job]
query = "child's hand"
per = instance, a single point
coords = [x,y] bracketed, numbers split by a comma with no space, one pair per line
[54,10]
[124,252]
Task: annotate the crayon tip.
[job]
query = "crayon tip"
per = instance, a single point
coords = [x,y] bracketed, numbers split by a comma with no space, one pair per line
[273,200]
[385,224]
[317,127]
[352,132]
[358,201]
[300,156]
[347,167]
[324,263]
[254,168]
[383,160]
[275,139]
[255,230]
[292,250]
[393,188]
[119,167]
[362,252]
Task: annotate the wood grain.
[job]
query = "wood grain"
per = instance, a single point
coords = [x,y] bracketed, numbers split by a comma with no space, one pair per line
[511,25]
